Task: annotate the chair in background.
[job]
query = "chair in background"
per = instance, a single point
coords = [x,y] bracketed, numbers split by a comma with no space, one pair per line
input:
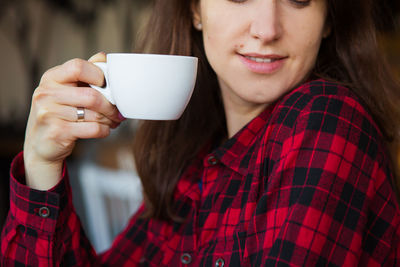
[110,198]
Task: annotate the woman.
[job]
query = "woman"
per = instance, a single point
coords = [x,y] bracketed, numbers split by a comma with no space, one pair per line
[273,162]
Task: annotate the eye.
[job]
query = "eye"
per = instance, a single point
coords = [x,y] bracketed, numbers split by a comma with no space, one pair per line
[301,3]
[238,1]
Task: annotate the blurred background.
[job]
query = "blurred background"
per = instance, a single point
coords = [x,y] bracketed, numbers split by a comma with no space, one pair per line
[36,35]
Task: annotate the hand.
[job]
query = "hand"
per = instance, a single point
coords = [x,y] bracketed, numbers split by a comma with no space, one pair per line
[53,129]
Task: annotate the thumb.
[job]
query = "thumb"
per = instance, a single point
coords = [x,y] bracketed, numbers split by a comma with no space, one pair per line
[99,57]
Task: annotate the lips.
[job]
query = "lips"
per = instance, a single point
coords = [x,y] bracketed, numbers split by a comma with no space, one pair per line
[264,64]
[261,60]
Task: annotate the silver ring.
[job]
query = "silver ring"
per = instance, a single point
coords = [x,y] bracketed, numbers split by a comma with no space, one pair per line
[80,114]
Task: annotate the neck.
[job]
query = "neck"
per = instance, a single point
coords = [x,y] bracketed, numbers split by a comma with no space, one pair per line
[238,115]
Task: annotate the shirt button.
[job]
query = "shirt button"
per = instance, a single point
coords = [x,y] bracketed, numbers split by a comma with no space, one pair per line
[44,212]
[186,258]
[219,263]
[212,160]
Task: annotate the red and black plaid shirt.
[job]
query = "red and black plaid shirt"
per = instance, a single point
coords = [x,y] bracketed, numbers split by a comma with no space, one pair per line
[305,183]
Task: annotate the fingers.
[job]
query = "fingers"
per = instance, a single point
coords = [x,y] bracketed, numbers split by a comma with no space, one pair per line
[56,130]
[62,85]
[99,57]
[85,97]
[64,133]
[52,127]
[73,71]
[86,130]
[69,113]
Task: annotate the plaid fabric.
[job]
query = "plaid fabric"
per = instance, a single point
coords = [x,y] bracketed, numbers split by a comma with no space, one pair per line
[306,183]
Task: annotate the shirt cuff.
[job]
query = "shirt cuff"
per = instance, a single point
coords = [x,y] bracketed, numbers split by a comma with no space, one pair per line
[39,210]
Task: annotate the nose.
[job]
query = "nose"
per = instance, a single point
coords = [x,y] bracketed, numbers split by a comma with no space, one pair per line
[266,22]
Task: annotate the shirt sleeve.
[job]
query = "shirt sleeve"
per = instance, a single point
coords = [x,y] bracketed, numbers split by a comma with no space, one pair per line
[42,228]
[328,196]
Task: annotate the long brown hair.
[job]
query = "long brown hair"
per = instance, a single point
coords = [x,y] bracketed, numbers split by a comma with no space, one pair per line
[163,149]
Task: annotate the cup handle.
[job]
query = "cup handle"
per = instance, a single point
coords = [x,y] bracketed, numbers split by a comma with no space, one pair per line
[106,89]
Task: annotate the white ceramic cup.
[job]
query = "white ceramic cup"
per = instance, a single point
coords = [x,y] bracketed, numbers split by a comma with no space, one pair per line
[148,86]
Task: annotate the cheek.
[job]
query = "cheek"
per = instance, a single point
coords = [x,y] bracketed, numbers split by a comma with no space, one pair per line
[307,43]
[215,43]
[210,45]
[212,33]
[220,30]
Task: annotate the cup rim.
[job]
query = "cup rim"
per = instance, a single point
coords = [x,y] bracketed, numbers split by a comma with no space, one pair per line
[150,55]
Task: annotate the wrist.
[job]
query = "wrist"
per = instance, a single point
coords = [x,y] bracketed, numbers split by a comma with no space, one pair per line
[42,175]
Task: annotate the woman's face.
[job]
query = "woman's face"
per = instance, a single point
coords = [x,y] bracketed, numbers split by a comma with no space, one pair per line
[260,49]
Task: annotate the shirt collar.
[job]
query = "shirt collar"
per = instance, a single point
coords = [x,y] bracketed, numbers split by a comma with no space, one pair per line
[234,151]
[231,153]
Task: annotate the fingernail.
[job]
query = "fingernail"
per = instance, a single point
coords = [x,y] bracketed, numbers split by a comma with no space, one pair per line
[120,117]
